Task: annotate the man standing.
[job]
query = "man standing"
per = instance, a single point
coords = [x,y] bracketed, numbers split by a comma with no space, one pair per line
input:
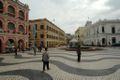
[40,48]
[34,51]
[45,59]
[15,51]
[79,53]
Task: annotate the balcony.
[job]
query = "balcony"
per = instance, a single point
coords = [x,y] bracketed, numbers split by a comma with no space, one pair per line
[21,17]
[11,14]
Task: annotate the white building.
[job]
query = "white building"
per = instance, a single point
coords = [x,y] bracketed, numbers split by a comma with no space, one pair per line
[102,33]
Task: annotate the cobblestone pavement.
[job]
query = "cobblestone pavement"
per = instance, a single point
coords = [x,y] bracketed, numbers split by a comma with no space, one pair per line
[95,65]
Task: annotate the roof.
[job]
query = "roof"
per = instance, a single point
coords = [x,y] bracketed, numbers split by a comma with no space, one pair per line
[73,40]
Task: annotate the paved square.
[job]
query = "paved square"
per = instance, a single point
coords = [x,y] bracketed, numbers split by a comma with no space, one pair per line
[95,65]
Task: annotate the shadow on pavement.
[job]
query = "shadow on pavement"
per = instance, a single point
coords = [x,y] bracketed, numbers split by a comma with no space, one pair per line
[85,72]
[30,74]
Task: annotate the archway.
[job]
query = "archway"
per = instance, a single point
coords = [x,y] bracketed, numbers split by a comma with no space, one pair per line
[20,44]
[11,42]
[0,45]
[1,7]
[1,24]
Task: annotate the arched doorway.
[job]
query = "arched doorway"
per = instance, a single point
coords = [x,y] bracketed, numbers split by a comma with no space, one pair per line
[1,7]
[0,45]
[1,24]
[20,44]
[103,41]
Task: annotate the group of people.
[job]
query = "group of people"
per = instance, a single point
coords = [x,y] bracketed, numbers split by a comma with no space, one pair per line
[45,56]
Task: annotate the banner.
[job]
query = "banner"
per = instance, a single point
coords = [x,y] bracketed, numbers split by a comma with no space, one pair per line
[33,30]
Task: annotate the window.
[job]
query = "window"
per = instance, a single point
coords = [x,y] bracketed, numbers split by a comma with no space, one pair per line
[103,29]
[41,26]
[21,14]
[47,27]
[11,10]
[0,24]
[36,35]
[103,41]
[35,26]
[47,36]
[11,26]
[113,30]
[1,7]
[29,28]
[113,40]
[21,28]
[42,35]
[97,30]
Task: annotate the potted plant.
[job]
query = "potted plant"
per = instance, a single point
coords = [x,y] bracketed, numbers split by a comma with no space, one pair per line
[7,42]
[7,46]
[15,43]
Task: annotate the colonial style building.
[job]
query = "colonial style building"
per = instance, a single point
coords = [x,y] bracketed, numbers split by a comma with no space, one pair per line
[102,33]
[79,34]
[13,24]
[45,33]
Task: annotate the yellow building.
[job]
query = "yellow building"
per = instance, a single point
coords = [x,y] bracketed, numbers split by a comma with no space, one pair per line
[47,34]
[79,34]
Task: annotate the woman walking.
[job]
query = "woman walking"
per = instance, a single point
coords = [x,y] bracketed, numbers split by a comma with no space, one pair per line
[45,59]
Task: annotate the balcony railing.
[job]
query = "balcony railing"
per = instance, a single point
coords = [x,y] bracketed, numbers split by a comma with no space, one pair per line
[11,14]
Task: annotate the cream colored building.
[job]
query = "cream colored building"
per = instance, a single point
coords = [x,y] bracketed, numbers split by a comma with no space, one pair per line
[102,33]
[79,34]
[47,34]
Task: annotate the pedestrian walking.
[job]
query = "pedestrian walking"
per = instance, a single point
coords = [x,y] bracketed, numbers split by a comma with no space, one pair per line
[34,51]
[45,59]
[23,49]
[40,48]
[79,53]
[15,51]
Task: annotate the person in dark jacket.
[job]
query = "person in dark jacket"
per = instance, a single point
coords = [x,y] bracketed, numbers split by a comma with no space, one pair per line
[34,51]
[79,53]
[45,59]
[15,51]
[40,48]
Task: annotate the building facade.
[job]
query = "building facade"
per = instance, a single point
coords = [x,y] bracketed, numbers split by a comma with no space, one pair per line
[45,33]
[79,35]
[102,33]
[13,24]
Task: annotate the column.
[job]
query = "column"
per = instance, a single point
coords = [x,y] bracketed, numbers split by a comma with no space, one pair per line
[3,47]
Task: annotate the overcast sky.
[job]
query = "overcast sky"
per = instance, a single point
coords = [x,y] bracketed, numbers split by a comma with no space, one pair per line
[71,14]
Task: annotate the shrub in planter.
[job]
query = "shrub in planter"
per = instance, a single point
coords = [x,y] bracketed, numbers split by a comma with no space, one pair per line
[16,43]
[7,42]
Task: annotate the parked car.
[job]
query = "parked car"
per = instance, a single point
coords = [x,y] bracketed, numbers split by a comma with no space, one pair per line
[116,44]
